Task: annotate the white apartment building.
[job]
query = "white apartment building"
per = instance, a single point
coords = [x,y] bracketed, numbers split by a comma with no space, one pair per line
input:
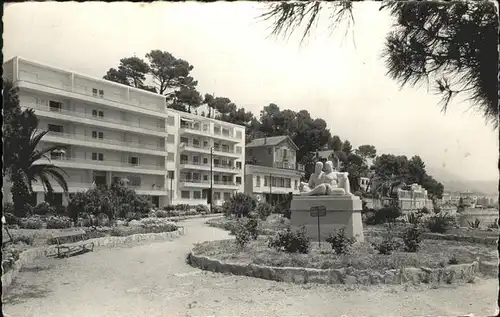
[110,131]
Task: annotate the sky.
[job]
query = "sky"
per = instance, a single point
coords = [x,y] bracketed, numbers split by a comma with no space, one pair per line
[338,77]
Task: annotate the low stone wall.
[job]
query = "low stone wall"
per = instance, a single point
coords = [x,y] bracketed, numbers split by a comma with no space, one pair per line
[30,254]
[453,237]
[449,274]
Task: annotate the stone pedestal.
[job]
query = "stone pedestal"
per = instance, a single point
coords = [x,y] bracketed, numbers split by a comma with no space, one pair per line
[341,212]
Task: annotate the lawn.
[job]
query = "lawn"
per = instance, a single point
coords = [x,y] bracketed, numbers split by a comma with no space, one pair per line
[371,230]
[433,253]
[271,225]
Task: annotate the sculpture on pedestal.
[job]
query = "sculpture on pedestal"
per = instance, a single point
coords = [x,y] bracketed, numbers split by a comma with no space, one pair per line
[325,183]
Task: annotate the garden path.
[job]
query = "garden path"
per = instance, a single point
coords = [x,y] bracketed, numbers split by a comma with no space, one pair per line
[154,280]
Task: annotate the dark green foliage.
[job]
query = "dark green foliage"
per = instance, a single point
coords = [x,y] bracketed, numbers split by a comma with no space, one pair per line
[414,218]
[160,214]
[388,244]
[440,223]
[58,222]
[202,209]
[8,208]
[24,239]
[244,230]
[240,205]
[264,210]
[291,242]
[384,215]
[340,242]
[10,219]
[453,260]
[494,224]
[31,223]
[411,238]
[425,210]
[474,224]
[43,209]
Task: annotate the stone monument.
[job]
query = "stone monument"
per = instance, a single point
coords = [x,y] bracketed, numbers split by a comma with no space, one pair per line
[329,189]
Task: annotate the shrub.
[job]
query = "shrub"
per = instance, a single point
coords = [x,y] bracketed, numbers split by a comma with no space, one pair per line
[340,242]
[44,208]
[58,222]
[8,208]
[61,211]
[161,214]
[239,204]
[388,244]
[412,238]
[437,209]
[242,234]
[10,219]
[287,213]
[31,223]
[103,220]
[425,210]
[217,209]
[202,209]
[24,239]
[440,223]
[494,224]
[264,210]
[414,218]
[291,242]
[474,224]
[453,260]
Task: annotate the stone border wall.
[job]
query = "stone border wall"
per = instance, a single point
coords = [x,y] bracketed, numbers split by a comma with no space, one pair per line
[453,237]
[29,255]
[449,274]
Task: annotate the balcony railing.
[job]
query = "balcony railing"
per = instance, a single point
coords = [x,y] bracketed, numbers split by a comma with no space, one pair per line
[288,165]
[105,163]
[147,187]
[79,137]
[224,150]
[198,163]
[216,133]
[97,118]
[199,181]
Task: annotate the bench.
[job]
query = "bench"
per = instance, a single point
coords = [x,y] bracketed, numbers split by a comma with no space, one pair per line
[65,249]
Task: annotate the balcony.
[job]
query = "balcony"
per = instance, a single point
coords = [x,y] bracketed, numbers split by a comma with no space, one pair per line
[288,166]
[70,138]
[199,131]
[153,190]
[107,165]
[73,187]
[74,116]
[226,152]
[206,184]
[197,165]
[70,92]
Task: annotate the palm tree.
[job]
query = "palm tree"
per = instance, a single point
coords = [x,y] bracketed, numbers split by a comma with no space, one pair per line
[25,168]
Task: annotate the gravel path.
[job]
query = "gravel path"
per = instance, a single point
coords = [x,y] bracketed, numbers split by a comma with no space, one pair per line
[153,280]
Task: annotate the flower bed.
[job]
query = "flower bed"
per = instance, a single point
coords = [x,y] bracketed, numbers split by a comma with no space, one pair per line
[362,256]
[272,224]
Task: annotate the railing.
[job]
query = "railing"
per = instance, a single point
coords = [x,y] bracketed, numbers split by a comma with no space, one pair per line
[147,187]
[223,150]
[97,118]
[199,181]
[104,141]
[105,163]
[73,90]
[198,163]
[215,133]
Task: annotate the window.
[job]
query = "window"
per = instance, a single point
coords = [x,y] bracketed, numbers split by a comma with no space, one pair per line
[97,135]
[225,148]
[250,151]
[269,151]
[205,127]
[134,160]
[56,155]
[196,143]
[55,106]
[170,121]
[288,183]
[216,178]
[185,194]
[134,180]
[273,181]
[55,128]
[170,157]
[101,93]
[284,154]
[238,180]
[196,159]
[238,135]
[205,177]
[185,140]
[216,195]
[217,129]
[227,196]
[216,162]
[196,176]
[184,159]
[205,160]
[257,181]
[94,92]
[238,165]
[238,149]
[197,195]
[296,184]
[170,138]
[205,143]
[281,182]
[216,146]
[94,113]
[170,175]
[204,194]
[225,132]
[266,181]
[101,114]
[97,156]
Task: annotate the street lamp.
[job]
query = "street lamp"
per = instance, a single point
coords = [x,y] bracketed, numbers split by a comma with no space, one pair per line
[270,189]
